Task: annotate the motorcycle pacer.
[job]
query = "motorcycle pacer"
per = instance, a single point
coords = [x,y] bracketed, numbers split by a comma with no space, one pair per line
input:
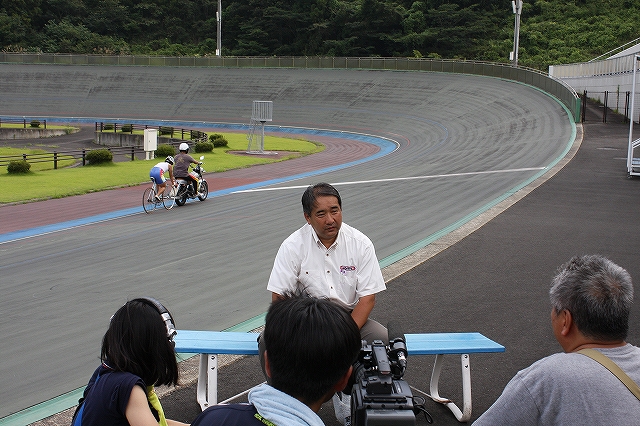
[181,167]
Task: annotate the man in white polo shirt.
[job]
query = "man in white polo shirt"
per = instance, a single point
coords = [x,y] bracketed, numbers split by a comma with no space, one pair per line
[330,259]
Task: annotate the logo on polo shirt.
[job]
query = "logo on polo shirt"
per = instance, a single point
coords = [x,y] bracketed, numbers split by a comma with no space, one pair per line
[345,269]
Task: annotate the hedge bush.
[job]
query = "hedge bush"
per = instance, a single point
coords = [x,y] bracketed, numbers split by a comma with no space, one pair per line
[35,123]
[126,128]
[164,150]
[107,126]
[18,166]
[98,156]
[204,147]
[218,140]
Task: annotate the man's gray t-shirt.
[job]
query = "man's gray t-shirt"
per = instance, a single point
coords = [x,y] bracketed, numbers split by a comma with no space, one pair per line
[181,165]
[569,389]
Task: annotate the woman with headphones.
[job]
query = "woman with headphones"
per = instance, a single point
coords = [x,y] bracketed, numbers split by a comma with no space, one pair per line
[137,354]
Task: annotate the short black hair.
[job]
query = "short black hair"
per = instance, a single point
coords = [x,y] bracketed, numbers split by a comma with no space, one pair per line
[310,345]
[137,342]
[312,192]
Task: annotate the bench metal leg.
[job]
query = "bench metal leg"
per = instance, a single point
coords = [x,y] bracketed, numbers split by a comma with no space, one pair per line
[207,389]
[465,414]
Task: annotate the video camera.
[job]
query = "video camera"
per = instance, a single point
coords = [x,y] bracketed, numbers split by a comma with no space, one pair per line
[379,396]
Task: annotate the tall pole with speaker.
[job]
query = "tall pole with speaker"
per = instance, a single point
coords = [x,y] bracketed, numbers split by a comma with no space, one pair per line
[517,10]
[219,31]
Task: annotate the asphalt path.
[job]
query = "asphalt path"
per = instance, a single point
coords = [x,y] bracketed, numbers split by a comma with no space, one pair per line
[461,144]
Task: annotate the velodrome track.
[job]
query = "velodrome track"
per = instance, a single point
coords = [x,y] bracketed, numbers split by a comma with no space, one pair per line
[460,143]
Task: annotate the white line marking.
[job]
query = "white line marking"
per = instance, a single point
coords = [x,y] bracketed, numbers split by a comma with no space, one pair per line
[527,169]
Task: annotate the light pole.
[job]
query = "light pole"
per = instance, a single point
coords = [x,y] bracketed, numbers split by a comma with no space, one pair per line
[219,34]
[517,10]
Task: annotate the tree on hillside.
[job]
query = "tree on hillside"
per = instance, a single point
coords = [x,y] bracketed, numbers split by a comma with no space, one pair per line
[552,31]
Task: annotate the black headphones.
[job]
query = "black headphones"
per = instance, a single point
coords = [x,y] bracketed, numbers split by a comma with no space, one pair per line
[165,314]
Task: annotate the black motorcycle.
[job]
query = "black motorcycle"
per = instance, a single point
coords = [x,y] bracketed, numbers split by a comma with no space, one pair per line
[185,187]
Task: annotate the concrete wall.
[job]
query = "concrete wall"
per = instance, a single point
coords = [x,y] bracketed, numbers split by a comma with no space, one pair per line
[119,139]
[31,133]
[543,81]
[613,75]
[126,139]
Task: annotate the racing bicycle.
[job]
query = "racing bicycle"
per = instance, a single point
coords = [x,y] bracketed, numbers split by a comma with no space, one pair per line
[151,200]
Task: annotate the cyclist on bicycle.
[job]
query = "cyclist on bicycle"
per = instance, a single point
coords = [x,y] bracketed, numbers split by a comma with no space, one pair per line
[157,174]
[182,162]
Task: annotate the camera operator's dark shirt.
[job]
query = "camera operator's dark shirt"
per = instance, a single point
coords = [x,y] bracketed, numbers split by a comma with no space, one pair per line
[229,415]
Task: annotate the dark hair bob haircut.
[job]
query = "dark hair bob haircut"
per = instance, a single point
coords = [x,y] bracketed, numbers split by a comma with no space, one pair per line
[137,342]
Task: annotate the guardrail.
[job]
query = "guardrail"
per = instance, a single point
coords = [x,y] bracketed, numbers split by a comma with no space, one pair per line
[166,131]
[57,156]
[537,78]
[24,122]
[606,106]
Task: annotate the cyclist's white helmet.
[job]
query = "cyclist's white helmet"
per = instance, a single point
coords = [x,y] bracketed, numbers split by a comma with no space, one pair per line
[169,160]
[184,147]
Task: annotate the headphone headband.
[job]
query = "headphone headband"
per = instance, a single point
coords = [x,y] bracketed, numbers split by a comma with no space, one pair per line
[165,314]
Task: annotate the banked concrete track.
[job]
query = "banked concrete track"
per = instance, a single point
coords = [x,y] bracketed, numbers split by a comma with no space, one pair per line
[460,144]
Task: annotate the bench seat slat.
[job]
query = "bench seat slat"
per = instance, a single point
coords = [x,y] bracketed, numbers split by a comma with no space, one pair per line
[450,343]
[216,342]
[210,344]
[237,343]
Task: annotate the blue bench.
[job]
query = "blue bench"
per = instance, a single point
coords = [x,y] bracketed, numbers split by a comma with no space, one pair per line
[210,344]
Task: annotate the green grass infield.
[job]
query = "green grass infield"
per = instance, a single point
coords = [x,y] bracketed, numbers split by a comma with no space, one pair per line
[43,182]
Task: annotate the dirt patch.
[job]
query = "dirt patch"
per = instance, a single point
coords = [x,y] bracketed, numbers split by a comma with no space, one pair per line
[268,154]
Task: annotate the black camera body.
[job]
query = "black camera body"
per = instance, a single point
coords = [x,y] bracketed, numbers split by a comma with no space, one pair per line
[379,396]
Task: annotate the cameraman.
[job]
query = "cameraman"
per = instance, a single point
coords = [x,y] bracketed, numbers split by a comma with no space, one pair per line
[311,345]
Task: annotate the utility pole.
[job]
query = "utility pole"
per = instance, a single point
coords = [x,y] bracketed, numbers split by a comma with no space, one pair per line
[517,10]
[630,172]
[219,34]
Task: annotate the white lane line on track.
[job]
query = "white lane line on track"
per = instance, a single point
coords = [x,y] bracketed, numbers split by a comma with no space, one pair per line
[486,172]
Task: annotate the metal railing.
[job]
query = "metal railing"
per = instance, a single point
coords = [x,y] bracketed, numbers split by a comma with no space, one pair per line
[24,122]
[617,103]
[539,79]
[166,131]
[617,51]
[174,136]
[57,156]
